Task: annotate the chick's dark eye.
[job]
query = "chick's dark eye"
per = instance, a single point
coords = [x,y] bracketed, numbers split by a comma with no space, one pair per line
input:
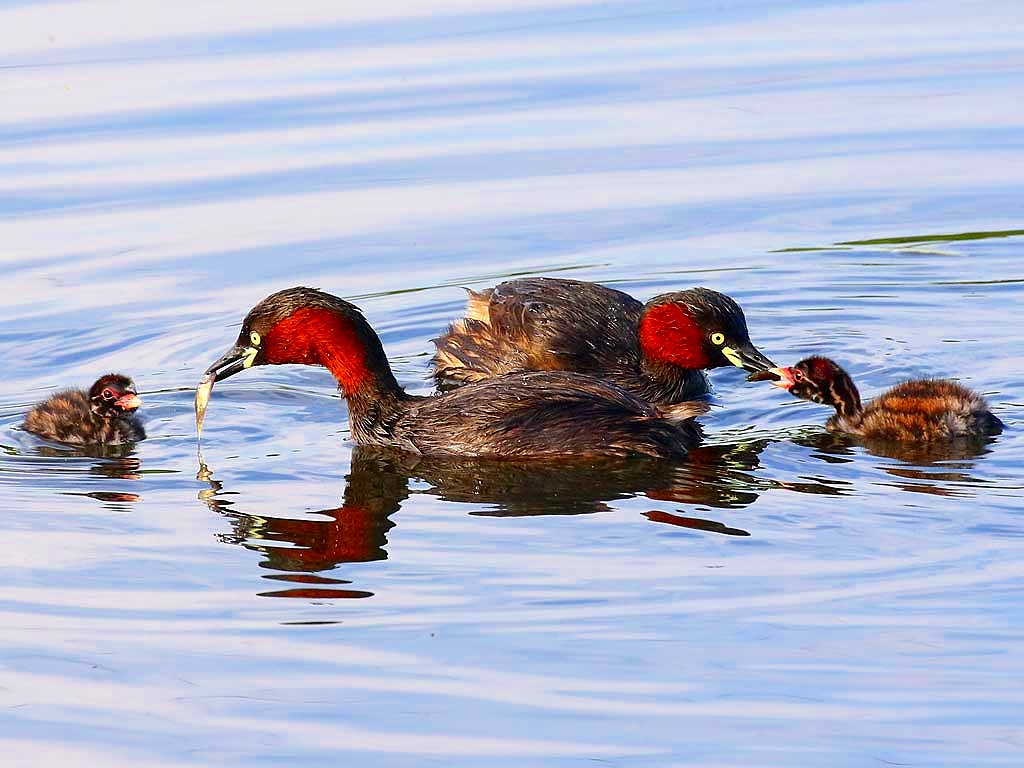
[798,375]
[107,394]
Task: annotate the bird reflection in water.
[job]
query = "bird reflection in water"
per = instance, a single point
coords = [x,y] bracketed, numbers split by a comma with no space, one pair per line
[922,468]
[115,462]
[301,549]
[114,453]
[121,468]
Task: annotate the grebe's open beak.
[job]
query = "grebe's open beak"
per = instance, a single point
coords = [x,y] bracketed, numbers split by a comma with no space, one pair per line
[780,377]
[129,401]
[236,359]
[746,356]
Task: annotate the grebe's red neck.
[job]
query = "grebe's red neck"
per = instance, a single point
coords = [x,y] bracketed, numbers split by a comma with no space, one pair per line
[342,342]
[668,334]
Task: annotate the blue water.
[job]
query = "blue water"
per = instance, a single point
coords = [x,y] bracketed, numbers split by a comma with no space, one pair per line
[782,599]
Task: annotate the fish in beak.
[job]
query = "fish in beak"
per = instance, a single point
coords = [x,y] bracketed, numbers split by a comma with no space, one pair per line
[780,377]
[235,360]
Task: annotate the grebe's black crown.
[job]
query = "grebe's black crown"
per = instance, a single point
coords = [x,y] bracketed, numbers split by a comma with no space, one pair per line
[710,309]
[278,306]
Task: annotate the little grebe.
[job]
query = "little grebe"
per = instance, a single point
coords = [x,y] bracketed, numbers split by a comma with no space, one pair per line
[922,411]
[529,414]
[105,415]
[656,350]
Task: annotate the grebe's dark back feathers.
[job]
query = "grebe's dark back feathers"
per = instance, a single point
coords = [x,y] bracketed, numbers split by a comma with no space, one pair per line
[545,413]
[567,325]
[538,323]
[470,351]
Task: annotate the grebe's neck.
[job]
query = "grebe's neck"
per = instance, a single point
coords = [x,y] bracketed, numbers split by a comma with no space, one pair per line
[662,382]
[342,341]
[668,336]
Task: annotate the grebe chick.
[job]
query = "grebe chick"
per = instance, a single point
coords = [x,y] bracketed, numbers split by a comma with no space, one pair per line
[105,415]
[657,350]
[532,414]
[920,411]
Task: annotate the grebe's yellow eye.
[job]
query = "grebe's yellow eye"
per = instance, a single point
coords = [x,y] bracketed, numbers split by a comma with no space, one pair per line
[718,339]
[254,338]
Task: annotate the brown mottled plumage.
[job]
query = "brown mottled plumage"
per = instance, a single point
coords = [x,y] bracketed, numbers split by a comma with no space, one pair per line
[528,414]
[923,411]
[102,416]
[656,350]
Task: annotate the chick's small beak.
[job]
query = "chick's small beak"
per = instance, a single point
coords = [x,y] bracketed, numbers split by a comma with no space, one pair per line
[236,359]
[128,401]
[747,357]
[783,377]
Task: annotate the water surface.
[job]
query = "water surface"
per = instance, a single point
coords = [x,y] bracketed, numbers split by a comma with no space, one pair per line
[849,172]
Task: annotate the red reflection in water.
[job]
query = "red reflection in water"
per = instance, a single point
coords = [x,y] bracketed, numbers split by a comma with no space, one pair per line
[318,594]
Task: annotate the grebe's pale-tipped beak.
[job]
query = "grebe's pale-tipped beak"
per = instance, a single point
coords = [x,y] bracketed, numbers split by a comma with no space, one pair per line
[747,356]
[235,360]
